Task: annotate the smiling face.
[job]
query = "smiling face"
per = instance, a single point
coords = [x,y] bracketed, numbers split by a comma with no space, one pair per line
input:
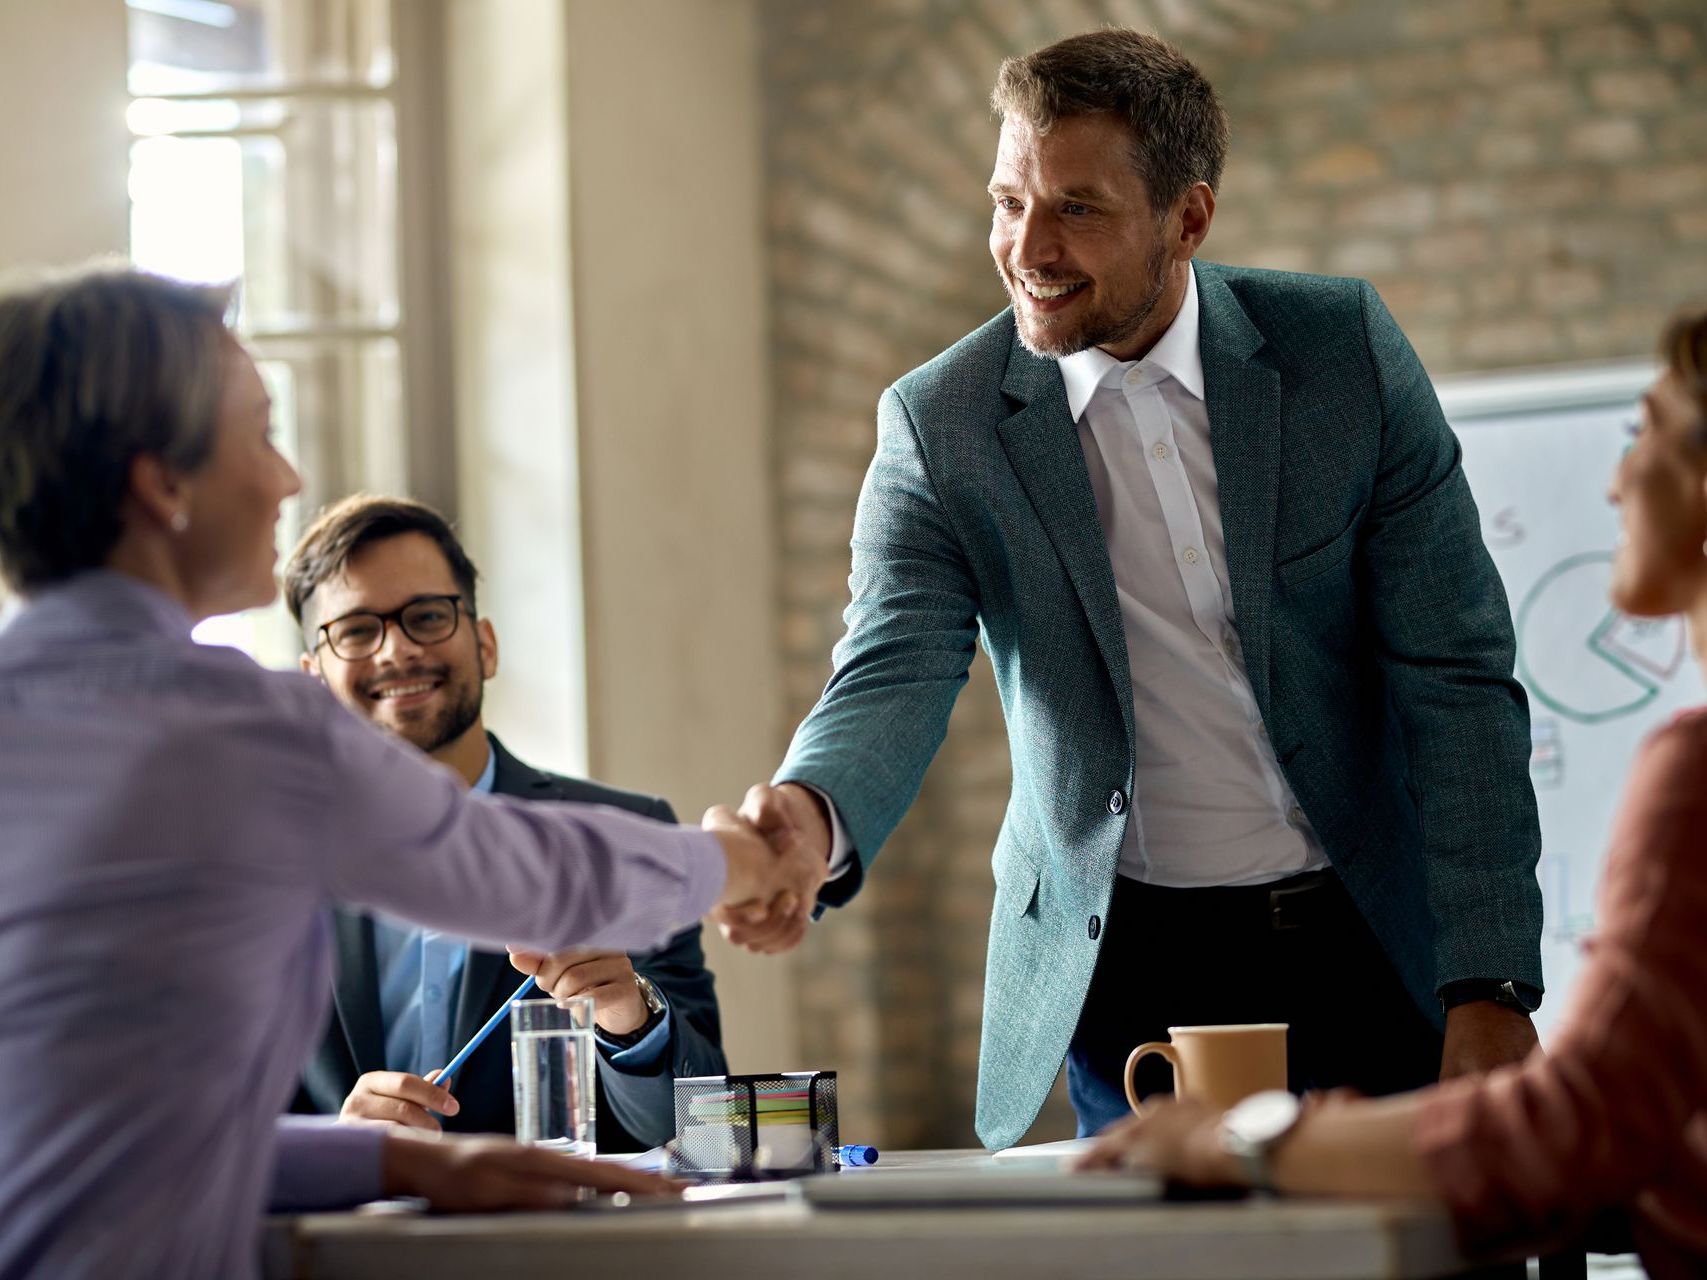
[427,694]
[1660,489]
[1086,261]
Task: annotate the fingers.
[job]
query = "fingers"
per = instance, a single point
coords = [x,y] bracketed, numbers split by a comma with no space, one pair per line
[1117,1147]
[400,1097]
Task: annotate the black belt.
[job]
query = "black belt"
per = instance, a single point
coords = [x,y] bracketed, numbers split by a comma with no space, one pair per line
[1303,901]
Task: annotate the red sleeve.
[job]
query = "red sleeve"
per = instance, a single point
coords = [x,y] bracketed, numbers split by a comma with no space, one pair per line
[1530,1152]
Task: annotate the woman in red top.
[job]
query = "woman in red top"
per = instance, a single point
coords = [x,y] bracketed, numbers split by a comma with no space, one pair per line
[1614,1116]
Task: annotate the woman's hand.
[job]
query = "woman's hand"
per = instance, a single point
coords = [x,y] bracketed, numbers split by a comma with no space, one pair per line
[486,1175]
[1179,1139]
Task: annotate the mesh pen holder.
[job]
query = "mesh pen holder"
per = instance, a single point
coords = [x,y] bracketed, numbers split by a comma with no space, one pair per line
[741,1128]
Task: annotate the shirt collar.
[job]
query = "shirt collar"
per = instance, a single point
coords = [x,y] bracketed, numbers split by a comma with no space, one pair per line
[1176,354]
[490,773]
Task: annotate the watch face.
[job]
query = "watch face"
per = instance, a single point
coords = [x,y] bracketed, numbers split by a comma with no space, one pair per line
[1262,1117]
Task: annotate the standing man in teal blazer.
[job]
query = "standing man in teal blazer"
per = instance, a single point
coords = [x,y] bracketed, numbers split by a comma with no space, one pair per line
[1269,761]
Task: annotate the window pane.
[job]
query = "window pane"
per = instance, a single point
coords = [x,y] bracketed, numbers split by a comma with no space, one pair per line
[301,202]
[200,46]
[343,413]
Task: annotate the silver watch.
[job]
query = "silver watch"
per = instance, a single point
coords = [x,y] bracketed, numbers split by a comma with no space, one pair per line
[649,993]
[1251,1129]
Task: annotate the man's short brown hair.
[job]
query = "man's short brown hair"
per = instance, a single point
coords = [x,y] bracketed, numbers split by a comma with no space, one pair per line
[345,527]
[1179,130]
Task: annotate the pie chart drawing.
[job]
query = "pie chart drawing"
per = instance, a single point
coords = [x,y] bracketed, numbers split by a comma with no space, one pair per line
[1584,659]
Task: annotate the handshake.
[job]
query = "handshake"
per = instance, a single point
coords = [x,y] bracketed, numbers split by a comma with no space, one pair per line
[778,851]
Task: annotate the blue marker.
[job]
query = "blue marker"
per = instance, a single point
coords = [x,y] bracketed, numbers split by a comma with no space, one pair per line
[455,1063]
[853,1157]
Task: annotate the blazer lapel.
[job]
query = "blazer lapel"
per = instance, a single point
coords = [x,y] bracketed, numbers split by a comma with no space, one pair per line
[355,994]
[1243,399]
[1042,445]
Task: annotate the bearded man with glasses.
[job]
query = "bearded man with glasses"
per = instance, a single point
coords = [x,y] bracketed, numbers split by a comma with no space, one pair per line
[385,595]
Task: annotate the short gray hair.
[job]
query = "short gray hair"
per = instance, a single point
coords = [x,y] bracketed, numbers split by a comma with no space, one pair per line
[98,366]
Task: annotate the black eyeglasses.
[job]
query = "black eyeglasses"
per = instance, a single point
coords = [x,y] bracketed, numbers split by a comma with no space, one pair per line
[425,620]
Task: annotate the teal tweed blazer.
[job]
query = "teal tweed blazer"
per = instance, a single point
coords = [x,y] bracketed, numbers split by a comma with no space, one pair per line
[1375,631]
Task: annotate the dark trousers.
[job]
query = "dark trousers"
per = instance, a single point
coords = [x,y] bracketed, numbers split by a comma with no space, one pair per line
[1295,951]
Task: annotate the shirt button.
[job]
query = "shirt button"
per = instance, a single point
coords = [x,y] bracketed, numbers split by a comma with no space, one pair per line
[1161,451]
[1133,377]
[1295,816]
[1116,802]
[1231,641]
[1189,555]
[1094,928]
[433,992]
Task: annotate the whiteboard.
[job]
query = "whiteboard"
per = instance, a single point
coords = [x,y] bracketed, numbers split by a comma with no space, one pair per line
[1539,450]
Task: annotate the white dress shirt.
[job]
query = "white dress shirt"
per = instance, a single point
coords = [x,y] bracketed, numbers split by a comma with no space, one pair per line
[1211,806]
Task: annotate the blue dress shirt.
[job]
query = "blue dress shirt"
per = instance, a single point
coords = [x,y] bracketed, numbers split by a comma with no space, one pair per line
[420,974]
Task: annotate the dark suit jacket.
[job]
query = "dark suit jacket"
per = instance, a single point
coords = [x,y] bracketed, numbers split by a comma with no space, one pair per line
[1374,629]
[635,1110]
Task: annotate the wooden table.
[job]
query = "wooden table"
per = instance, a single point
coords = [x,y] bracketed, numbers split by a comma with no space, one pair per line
[1258,1239]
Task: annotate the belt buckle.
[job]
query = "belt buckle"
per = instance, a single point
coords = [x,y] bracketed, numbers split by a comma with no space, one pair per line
[1279,918]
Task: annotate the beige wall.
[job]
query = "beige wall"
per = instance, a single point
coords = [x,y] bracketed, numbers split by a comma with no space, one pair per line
[613,458]
[64,149]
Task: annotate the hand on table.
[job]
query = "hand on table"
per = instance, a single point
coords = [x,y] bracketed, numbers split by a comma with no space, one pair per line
[400,1097]
[483,1175]
[1482,1035]
[606,976]
[1179,1139]
[794,823]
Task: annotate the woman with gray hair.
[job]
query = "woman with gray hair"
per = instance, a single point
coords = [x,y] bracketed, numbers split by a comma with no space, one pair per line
[178,821]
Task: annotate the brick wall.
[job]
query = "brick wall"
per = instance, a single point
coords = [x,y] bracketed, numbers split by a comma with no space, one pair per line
[1524,180]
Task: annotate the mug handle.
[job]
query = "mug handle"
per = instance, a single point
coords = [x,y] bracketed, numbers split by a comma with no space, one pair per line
[1163,1049]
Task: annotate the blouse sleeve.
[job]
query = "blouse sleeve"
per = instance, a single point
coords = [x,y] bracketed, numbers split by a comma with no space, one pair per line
[1532,1151]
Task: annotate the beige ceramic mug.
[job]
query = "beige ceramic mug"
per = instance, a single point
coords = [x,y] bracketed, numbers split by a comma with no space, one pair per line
[1219,1064]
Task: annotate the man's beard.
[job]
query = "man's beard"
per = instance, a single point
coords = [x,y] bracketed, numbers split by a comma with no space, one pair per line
[1040,338]
[455,719]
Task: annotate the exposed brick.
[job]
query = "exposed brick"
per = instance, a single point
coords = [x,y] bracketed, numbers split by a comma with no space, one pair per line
[1533,101]
[1675,42]
[1565,11]
[1562,288]
[1633,89]
[1603,44]
[1612,140]
[1508,149]
[1517,339]
[1344,165]
[1450,18]
[1316,80]
[1656,185]
[1451,250]
[1690,224]
[1396,208]
[1364,258]
[1502,59]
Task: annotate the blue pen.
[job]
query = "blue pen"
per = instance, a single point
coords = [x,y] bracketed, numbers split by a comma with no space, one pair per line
[455,1063]
[854,1156]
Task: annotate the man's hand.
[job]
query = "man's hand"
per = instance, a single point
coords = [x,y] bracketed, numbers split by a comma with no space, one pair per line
[771,915]
[1482,1035]
[484,1175]
[1178,1138]
[606,976]
[401,1098]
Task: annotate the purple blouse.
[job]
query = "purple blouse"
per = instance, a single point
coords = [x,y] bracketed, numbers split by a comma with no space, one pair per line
[174,823]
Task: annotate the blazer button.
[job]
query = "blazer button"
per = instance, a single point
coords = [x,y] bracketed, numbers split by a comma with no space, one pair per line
[1116,802]
[1095,926]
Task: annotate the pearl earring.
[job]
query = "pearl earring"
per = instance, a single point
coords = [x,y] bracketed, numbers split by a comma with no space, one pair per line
[180,521]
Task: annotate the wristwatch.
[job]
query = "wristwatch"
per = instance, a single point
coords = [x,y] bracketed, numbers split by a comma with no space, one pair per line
[655,1009]
[1251,1129]
[1513,995]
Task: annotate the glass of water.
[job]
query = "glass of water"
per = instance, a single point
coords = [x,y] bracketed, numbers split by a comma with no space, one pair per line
[551,1057]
